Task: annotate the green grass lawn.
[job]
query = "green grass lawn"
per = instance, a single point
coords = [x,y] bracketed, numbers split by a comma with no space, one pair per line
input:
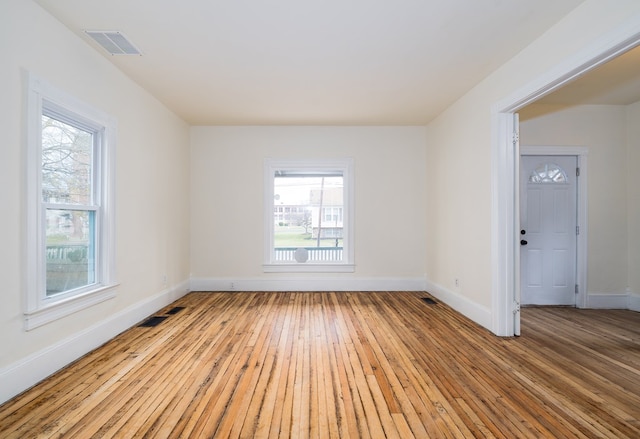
[296,237]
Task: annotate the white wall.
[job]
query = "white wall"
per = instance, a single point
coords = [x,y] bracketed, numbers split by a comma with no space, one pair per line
[602,129]
[458,189]
[152,198]
[633,211]
[460,147]
[227,231]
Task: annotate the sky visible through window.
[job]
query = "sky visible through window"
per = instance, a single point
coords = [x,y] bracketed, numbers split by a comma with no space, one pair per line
[297,190]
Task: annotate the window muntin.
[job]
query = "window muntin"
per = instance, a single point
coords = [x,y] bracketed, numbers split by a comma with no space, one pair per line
[70,241]
[309,215]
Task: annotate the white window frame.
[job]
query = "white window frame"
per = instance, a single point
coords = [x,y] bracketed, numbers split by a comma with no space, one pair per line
[271,165]
[40,308]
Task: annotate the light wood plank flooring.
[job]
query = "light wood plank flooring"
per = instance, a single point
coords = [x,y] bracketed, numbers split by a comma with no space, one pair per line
[344,365]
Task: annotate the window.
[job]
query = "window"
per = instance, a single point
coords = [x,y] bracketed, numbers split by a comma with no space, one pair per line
[332,214]
[308,215]
[548,173]
[70,222]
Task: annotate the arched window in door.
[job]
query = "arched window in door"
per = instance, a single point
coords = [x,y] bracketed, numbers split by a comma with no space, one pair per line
[548,173]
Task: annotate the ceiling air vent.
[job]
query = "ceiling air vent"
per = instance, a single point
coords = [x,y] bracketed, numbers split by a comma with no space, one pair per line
[113,42]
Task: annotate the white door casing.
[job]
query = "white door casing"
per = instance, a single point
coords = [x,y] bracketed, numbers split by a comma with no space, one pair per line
[548,215]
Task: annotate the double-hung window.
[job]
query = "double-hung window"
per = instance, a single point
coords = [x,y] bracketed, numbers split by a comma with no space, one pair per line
[70,221]
[309,215]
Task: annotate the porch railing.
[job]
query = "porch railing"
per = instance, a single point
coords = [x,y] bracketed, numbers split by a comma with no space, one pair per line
[316,254]
[67,252]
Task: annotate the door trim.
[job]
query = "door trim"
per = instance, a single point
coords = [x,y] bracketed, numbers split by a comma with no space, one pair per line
[582,154]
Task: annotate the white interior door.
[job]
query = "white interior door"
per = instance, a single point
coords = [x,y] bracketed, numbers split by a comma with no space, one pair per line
[548,219]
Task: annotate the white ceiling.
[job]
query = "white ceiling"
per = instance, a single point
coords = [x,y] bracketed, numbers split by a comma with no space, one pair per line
[312,62]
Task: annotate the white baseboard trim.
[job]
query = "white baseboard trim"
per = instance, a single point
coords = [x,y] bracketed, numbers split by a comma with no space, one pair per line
[608,301]
[634,301]
[317,283]
[23,374]
[478,313]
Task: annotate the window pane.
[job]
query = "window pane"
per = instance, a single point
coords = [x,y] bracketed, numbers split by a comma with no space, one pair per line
[548,173]
[66,163]
[308,225]
[70,241]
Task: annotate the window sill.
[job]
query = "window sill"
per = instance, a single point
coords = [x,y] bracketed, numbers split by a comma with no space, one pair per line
[309,268]
[62,308]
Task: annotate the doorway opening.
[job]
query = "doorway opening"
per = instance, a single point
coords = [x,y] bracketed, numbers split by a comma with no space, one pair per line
[506,292]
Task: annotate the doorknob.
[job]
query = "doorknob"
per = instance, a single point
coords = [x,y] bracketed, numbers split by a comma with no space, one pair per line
[523,232]
[523,242]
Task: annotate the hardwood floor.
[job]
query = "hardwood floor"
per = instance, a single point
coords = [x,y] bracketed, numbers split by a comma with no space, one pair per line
[344,365]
